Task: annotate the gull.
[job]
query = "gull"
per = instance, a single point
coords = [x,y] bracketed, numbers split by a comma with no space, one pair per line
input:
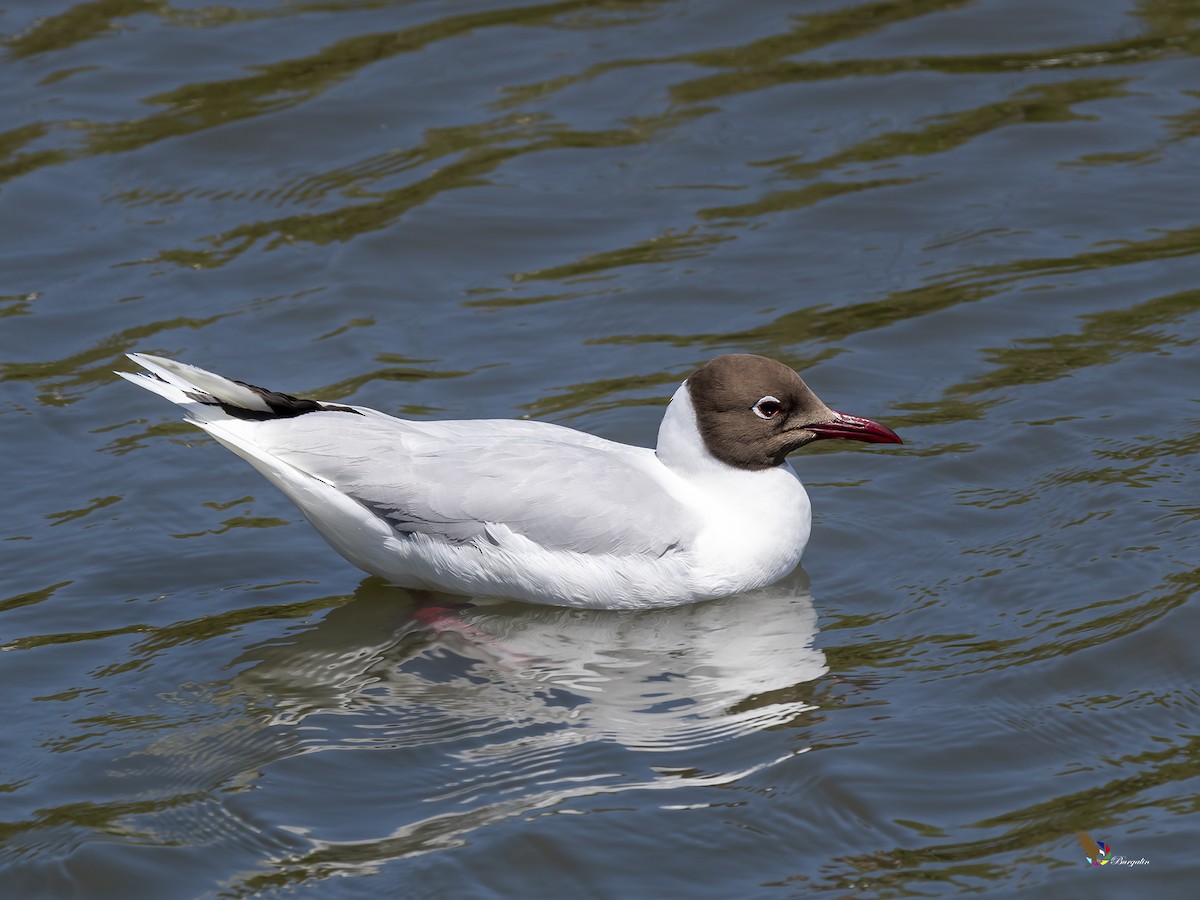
[539,512]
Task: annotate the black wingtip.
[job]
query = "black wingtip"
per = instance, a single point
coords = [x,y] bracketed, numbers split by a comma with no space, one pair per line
[282,406]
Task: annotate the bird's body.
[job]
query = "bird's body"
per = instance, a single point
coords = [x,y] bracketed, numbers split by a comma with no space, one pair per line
[521,509]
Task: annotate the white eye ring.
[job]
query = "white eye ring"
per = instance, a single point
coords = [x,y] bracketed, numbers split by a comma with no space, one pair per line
[771,412]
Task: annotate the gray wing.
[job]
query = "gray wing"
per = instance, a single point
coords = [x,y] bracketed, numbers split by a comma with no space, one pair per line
[560,488]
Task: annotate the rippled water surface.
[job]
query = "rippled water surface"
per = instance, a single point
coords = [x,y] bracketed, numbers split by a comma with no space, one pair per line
[978,222]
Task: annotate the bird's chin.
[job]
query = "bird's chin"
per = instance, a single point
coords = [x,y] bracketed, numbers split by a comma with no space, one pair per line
[800,439]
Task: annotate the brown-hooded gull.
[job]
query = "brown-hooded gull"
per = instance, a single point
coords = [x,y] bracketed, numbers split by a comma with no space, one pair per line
[535,511]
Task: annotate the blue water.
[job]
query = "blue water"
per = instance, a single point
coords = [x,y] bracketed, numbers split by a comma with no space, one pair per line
[976,222]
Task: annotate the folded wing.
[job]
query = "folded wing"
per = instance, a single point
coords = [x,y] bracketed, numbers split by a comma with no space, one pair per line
[468,481]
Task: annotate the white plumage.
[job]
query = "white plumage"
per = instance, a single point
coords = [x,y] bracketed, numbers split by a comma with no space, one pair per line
[520,509]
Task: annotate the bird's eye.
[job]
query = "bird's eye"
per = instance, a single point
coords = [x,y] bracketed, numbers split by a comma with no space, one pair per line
[767,408]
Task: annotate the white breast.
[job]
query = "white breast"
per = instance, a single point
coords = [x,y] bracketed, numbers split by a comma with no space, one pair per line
[755,524]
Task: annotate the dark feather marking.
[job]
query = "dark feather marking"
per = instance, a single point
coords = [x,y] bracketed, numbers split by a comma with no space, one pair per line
[408,525]
[199,396]
[283,406]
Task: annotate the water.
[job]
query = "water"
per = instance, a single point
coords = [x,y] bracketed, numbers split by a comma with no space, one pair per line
[973,221]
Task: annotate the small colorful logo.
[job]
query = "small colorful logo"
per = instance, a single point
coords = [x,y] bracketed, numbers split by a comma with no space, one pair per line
[1096,852]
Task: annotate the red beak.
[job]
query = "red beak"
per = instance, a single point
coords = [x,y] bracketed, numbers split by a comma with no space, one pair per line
[852,428]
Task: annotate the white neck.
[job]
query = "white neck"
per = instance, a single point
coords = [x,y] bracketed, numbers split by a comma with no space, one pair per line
[680,447]
[755,521]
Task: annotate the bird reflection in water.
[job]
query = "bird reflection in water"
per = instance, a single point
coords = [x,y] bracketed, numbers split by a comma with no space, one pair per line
[646,678]
[447,717]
